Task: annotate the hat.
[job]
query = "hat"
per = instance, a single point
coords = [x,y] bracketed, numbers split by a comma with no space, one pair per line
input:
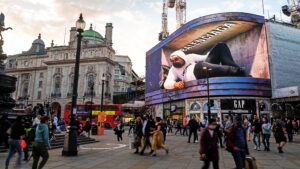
[180,54]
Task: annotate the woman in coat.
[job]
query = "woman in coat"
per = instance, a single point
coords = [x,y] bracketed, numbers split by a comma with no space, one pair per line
[209,145]
[138,133]
[158,138]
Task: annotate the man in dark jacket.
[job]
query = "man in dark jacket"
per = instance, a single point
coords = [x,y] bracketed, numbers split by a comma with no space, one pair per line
[209,145]
[193,125]
[237,143]
[4,126]
[257,132]
[147,125]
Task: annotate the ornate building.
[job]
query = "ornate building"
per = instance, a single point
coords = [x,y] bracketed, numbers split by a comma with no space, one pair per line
[45,75]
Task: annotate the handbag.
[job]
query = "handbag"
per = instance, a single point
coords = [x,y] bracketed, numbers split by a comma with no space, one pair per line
[8,131]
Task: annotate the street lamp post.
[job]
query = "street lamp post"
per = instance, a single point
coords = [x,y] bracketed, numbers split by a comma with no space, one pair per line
[102,90]
[208,96]
[70,145]
[91,84]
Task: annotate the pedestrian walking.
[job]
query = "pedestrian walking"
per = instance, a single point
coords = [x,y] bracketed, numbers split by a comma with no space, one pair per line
[289,129]
[4,126]
[256,128]
[266,133]
[131,126]
[87,127]
[279,134]
[169,125]
[209,145]
[219,131]
[237,144]
[158,138]
[27,138]
[16,132]
[147,125]
[178,127]
[41,144]
[193,126]
[120,130]
[185,126]
[247,126]
[138,134]
[227,126]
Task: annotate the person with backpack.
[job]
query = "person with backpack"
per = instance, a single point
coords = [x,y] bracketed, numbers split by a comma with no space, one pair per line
[41,144]
[279,134]
[237,143]
[266,133]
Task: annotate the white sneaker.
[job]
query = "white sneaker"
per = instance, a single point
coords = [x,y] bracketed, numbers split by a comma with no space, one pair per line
[196,141]
[255,148]
[258,148]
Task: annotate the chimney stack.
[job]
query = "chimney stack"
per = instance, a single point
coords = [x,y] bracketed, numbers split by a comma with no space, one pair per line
[73,37]
[108,33]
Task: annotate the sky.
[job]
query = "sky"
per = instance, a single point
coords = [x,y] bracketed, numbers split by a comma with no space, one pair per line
[136,23]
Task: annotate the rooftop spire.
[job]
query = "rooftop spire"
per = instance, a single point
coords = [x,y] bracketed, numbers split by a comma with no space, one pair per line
[39,36]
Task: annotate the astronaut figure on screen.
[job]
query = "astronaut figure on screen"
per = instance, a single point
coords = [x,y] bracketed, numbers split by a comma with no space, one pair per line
[218,63]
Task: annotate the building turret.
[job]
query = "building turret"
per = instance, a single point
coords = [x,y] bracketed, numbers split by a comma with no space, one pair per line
[73,38]
[108,33]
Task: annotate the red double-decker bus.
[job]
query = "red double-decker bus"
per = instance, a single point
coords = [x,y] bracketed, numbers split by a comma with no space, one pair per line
[112,113]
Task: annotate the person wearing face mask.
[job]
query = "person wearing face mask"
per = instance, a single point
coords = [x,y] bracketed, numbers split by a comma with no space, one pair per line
[237,143]
[209,145]
[187,67]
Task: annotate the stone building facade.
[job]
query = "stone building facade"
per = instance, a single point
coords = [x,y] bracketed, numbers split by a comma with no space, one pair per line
[45,75]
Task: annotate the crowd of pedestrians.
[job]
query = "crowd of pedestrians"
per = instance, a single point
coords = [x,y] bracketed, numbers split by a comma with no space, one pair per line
[34,128]
[234,134]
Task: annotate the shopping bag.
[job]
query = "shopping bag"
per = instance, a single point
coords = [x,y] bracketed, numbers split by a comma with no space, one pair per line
[251,162]
[23,144]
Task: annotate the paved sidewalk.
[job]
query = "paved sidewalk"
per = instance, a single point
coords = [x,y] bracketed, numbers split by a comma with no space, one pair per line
[109,154]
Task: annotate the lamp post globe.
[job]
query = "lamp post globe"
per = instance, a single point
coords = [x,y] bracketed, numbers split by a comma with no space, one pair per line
[70,143]
[80,24]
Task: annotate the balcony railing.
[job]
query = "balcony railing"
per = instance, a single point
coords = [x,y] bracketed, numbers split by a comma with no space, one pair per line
[55,95]
[88,94]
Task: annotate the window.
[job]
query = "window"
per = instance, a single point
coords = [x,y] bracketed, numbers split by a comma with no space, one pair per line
[117,71]
[71,83]
[40,84]
[41,75]
[25,89]
[90,84]
[66,56]
[57,85]
[39,96]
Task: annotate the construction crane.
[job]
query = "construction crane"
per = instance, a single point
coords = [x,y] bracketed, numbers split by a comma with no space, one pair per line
[164,22]
[180,6]
[293,10]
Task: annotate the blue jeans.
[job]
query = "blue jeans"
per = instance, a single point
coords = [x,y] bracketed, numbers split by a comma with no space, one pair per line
[258,135]
[13,146]
[265,139]
[239,159]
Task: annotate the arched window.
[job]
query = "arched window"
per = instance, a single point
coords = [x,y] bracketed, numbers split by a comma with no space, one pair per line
[25,89]
[71,84]
[57,84]
[90,85]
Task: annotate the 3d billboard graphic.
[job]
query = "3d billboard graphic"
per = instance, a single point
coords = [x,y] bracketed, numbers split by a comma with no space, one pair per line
[229,48]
